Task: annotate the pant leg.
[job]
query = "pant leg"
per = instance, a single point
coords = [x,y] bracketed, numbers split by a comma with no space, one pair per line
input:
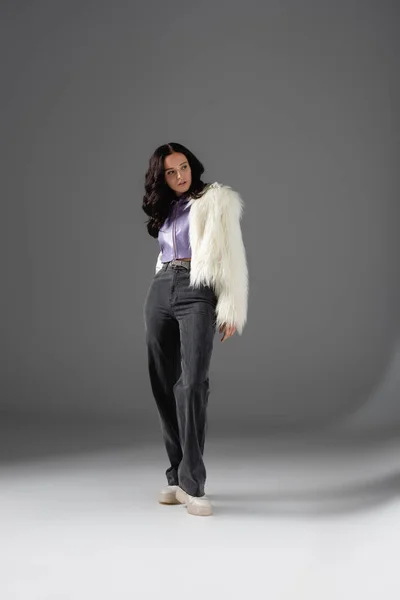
[195,311]
[163,352]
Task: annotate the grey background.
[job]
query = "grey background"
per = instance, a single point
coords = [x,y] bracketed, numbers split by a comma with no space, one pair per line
[293,104]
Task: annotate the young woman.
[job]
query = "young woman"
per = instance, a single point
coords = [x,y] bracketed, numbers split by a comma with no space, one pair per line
[200,283]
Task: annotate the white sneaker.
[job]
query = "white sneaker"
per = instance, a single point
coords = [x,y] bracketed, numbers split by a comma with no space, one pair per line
[196,505]
[168,495]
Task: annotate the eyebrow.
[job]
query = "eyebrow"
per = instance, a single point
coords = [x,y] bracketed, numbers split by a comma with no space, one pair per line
[182,163]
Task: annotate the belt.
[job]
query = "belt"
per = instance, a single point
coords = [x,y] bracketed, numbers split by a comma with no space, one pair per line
[178,263]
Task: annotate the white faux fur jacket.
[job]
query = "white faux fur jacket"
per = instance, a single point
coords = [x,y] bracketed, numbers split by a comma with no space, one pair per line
[218,252]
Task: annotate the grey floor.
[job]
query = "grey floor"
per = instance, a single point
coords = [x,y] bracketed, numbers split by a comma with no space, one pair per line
[294,517]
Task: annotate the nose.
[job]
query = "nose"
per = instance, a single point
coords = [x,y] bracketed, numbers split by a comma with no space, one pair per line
[179,176]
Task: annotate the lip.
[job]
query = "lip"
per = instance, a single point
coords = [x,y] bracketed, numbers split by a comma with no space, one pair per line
[183,183]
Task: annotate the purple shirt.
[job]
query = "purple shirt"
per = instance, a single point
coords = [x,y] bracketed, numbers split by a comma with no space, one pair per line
[173,236]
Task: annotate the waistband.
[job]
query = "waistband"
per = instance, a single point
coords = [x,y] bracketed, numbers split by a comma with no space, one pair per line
[177,263]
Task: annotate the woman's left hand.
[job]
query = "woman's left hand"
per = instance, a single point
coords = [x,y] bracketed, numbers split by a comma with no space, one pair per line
[228,331]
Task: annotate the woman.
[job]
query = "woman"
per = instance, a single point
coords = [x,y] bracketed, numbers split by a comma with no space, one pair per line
[200,283]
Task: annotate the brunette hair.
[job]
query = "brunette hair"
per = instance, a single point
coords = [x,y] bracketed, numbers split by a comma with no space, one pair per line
[159,197]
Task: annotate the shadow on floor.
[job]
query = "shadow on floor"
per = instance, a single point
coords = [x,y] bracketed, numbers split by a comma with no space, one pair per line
[312,502]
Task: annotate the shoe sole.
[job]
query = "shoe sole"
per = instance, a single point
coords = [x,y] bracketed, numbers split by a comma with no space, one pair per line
[168,499]
[199,511]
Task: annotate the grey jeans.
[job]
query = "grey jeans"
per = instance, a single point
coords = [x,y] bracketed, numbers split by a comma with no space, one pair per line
[180,324]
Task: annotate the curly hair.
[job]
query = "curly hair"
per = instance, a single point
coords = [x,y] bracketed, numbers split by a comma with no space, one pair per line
[159,197]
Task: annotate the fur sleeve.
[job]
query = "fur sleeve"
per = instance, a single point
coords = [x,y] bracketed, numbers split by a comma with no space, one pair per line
[234,280]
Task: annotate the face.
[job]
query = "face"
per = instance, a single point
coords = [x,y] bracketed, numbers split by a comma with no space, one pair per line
[177,173]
